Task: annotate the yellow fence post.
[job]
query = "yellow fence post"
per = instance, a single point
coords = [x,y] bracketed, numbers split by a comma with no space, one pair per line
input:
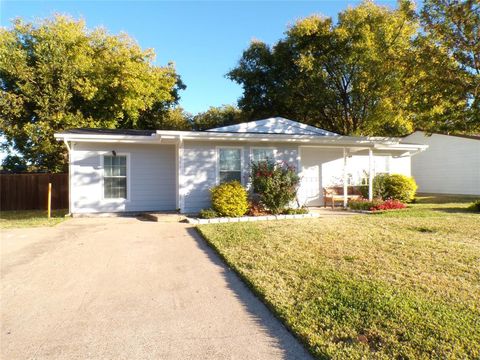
[49,201]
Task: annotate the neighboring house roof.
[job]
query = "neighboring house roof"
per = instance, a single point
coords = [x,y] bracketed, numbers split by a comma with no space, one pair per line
[472,136]
[275,125]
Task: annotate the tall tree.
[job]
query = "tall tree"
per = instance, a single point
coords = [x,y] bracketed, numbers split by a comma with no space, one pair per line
[453,27]
[56,74]
[218,116]
[346,77]
[165,118]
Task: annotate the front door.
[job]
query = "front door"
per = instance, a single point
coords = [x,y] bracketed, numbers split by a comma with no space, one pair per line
[320,167]
[311,174]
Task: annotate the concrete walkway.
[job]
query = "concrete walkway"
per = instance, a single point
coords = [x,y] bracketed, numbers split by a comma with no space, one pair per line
[121,288]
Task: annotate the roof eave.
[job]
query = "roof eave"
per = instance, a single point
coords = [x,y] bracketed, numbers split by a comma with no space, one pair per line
[107,138]
[306,140]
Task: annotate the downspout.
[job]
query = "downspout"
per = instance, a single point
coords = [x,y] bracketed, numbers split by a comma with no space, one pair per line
[69,177]
[181,198]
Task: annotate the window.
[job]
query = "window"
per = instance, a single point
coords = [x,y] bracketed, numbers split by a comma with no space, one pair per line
[382,164]
[229,164]
[115,177]
[262,154]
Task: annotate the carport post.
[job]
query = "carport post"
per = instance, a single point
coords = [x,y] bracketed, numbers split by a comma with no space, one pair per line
[370,174]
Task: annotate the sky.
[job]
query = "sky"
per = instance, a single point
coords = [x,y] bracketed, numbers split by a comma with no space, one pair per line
[204,39]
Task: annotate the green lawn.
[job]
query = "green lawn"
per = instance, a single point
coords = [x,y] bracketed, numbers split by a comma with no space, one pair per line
[403,285]
[30,218]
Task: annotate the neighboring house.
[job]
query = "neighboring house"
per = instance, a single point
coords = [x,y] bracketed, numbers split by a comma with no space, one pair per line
[143,170]
[451,165]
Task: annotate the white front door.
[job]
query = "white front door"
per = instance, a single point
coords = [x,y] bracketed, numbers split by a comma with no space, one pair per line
[320,167]
[311,174]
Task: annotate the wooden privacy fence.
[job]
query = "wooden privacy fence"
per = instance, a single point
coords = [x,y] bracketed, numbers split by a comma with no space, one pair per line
[30,191]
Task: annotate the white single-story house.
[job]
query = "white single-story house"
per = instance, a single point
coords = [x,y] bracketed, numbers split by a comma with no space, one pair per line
[451,165]
[148,170]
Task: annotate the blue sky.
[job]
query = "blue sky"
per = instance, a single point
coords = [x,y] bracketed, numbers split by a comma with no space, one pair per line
[204,39]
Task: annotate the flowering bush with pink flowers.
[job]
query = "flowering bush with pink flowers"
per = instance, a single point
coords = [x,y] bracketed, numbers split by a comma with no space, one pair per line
[275,184]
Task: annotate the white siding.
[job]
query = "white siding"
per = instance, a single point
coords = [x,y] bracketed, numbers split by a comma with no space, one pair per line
[401,165]
[450,165]
[151,181]
[322,167]
[199,172]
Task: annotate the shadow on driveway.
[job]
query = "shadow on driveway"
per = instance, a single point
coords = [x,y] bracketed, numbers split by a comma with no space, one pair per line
[286,342]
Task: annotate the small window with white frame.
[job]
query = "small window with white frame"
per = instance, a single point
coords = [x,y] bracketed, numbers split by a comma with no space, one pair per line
[229,164]
[263,154]
[115,177]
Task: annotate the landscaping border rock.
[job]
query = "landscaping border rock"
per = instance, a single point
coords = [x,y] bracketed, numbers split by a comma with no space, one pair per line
[192,220]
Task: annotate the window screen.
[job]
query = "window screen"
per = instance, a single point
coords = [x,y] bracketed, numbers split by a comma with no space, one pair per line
[262,155]
[230,165]
[115,177]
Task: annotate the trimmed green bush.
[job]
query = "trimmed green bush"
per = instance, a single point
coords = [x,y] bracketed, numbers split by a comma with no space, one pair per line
[229,199]
[276,184]
[363,204]
[379,186]
[207,214]
[363,190]
[297,211]
[475,206]
[395,186]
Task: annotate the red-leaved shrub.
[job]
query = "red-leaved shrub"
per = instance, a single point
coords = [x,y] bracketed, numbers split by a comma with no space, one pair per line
[389,205]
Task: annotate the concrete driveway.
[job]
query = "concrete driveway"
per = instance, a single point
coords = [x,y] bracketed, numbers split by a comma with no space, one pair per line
[121,288]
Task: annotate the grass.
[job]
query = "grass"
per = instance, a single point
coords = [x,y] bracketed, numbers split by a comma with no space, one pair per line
[30,218]
[403,285]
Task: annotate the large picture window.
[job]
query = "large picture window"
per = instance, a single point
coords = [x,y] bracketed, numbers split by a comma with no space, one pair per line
[229,164]
[115,177]
[263,154]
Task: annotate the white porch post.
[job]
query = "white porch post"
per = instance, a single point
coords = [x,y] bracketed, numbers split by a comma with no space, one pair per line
[370,174]
[345,185]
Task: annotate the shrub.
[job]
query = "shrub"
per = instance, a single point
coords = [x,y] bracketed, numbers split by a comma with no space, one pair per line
[475,206]
[275,183]
[229,199]
[363,190]
[256,209]
[207,214]
[396,187]
[379,185]
[375,205]
[296,211]
[363,204]
[389,205]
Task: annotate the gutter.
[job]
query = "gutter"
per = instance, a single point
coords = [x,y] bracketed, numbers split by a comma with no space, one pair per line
[69,178]
[380,143]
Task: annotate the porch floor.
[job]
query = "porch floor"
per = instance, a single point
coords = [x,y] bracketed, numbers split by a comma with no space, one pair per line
[329,212]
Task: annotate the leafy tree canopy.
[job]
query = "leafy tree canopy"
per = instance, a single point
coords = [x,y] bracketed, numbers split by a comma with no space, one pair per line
[56,74]
[371,73]
[218,116]
[14,163]
[453,27]
[346,77]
